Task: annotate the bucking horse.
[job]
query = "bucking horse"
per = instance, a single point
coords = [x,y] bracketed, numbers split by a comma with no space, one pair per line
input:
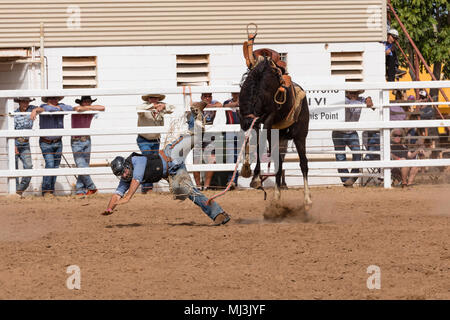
[269,96]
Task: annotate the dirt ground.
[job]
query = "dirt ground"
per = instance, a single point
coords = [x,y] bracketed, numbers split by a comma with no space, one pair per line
[158,248]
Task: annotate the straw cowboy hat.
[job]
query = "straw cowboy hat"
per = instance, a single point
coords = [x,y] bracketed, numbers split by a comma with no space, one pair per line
[79,101]
[18,99]
[44,99]
[154,95]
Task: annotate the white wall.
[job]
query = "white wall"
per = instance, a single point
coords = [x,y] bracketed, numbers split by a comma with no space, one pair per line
[155,66]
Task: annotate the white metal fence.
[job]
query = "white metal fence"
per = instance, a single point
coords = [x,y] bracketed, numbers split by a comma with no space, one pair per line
[382,124]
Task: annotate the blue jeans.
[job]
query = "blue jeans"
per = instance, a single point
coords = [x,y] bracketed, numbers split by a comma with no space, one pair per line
[373,144]
[147,147]
[52,155]
[82,156]
[181,182]
[342,140]
[25,156]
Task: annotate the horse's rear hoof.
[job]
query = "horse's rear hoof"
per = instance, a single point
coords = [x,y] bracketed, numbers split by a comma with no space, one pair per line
[256,183]
[308,205]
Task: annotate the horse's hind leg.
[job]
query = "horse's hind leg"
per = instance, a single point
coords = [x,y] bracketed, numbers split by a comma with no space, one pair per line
[279,167]
[300,144]
[256,180]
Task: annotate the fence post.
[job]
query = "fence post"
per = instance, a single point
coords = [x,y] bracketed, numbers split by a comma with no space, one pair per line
[386,138]
[11,142]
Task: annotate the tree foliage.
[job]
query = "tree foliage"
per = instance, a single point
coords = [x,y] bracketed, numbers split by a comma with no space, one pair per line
[428,24]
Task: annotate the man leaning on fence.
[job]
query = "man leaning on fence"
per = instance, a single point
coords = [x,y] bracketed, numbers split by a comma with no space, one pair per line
[51,146]
[22,144]
[155,109]
[81,145]
[342,139]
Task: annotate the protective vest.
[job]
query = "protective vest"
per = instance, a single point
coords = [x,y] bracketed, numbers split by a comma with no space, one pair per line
[154,170]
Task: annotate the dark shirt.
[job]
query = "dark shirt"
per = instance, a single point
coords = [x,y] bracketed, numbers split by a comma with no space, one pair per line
[399,150]
[139,165]
[53,121]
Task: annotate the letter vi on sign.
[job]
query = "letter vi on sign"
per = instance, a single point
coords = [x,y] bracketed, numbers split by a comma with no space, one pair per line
[374,281]
[74,281]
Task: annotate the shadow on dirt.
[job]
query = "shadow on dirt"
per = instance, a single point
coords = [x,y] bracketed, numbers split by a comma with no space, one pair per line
[129,225]
[248,221]
[190,224]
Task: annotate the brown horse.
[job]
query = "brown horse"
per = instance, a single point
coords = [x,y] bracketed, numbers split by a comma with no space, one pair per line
[265,94]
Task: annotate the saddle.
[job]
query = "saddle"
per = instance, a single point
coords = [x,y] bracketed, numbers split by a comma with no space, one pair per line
[297,95]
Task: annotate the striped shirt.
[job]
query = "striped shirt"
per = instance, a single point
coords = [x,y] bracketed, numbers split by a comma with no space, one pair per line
[23,122]
[232,116]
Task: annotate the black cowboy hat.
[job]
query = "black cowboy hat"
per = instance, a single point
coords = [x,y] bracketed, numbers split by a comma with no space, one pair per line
[79,101]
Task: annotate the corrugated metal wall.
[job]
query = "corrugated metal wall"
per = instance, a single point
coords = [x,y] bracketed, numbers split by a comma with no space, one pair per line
[188,22]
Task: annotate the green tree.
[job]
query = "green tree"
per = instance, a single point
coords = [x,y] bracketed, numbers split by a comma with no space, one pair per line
[428,24]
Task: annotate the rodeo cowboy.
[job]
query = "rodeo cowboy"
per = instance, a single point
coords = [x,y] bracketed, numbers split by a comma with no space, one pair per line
[168,164]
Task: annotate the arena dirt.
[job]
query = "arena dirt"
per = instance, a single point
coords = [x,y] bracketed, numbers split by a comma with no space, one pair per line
[159,248]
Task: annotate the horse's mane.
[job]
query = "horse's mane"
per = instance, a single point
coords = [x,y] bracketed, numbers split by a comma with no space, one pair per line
[254,77]
[252,83]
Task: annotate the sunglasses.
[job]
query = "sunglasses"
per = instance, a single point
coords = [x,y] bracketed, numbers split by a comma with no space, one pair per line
[397,135]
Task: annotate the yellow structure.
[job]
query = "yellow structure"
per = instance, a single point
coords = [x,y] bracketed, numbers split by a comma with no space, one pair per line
[424,76]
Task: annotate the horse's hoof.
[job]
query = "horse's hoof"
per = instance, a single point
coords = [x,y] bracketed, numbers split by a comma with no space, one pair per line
[308,205]
[256,183]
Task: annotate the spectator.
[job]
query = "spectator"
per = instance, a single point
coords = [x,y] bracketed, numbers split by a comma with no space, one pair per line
[399,151]
[410,109]
[81,145]
[207,147]
[391,55]
[341,139]
[427,113]
[231,138]
[155,109]
[412,133]
[398,112]
[51,147]
[23,152]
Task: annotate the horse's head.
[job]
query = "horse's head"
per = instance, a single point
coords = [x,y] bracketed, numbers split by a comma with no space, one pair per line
[256,98]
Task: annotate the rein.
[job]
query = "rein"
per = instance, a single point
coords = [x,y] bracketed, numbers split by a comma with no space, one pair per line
[247,137]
